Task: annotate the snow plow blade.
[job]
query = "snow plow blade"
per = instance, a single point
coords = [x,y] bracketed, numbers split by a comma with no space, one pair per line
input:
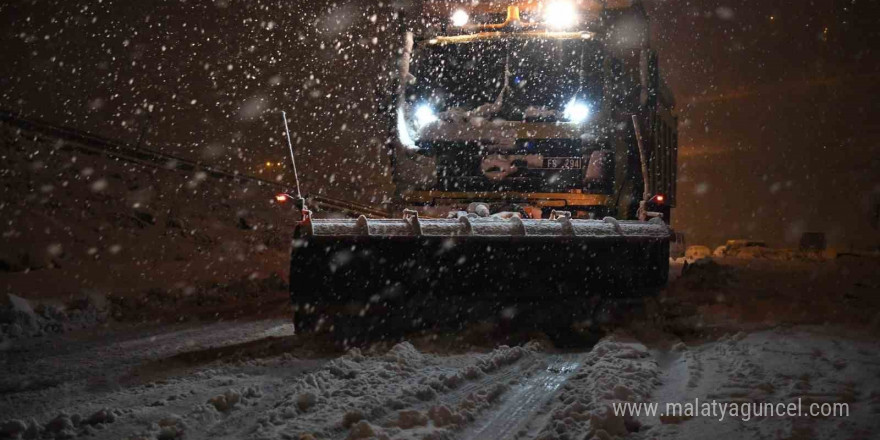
[362,276]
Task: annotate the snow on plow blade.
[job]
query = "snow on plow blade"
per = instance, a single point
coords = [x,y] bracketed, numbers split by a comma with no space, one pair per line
[415,272]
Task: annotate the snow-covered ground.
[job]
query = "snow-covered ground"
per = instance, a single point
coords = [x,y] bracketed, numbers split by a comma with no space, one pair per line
[784,365]
[258,380]
[719,335]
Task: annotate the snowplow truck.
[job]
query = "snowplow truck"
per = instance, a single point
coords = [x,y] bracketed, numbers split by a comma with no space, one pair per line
[533,149]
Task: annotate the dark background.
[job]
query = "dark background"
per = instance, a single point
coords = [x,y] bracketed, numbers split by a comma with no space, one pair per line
[777,99]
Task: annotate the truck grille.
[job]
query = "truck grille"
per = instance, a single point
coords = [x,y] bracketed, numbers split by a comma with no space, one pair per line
[458,165]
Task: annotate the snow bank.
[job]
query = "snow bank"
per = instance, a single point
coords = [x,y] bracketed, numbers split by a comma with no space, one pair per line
[706,274]
[63,426]
[697,252]
[767,253]
[19,319]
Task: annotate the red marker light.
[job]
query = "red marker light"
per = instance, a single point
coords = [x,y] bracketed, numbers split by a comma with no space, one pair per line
[281,198]
[660,198]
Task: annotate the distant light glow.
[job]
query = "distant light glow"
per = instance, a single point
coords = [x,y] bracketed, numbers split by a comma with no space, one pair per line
[460,18]
[281,198]
[576,111]
[424,115]
[560,14]
[660,198]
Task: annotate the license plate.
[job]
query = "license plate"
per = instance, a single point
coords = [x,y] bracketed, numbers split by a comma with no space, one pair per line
[565,163]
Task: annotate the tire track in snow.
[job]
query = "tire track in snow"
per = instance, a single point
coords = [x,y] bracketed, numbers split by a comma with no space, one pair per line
[524,400]
[504,375]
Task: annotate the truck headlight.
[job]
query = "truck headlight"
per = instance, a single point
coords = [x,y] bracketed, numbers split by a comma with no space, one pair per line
[424,115]
[576,111]
[560,14]
[459,18]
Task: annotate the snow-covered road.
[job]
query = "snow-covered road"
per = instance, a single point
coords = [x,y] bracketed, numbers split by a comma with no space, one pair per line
[729,333]
[257,380]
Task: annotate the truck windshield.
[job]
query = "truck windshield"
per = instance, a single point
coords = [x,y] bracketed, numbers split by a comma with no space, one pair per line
[542,73]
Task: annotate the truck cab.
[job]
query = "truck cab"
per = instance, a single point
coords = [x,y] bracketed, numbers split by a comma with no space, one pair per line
[529,107]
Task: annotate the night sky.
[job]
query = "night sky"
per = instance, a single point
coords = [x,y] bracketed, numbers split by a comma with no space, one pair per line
[777,99]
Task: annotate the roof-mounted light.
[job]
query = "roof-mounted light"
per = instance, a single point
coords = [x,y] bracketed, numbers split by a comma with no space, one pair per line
[459,18]
[560,14]
[576,111]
